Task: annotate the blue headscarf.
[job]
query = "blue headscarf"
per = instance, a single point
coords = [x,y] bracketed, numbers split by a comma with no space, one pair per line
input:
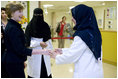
[86,27]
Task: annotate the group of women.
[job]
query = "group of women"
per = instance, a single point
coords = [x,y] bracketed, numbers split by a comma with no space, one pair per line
[35,44]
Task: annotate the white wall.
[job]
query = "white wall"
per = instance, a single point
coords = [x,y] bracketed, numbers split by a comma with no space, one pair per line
[3,3]
[113,19]
[48,18]
[33,5]
[58,14]
[99,12]
[61,14]
[100,15]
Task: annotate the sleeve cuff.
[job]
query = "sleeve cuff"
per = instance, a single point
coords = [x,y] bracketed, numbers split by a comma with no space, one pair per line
[29,52]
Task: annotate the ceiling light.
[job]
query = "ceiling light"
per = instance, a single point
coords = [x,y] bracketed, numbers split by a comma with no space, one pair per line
[47,5]
[103,3]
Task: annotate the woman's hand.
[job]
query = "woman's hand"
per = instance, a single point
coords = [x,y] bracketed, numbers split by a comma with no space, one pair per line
[25,65]
[40,52]
[52,54]
[43,44]
[58,50]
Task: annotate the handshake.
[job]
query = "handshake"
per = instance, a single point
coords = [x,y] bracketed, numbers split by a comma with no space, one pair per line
[52,53]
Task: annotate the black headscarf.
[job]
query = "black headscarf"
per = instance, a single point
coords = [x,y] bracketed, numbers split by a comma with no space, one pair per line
[37,27]
[86,27]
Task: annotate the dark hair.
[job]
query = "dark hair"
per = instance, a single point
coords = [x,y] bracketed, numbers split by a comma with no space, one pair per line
[12,7]
[2,8]
[63,17]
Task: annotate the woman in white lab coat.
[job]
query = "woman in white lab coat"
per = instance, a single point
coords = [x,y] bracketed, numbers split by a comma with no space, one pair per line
[38,36]
[85,51]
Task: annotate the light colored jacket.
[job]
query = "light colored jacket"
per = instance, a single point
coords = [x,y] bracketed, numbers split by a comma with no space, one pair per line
[85,64]
[34,61]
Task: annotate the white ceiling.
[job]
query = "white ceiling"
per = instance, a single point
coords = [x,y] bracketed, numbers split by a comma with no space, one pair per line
[64,5]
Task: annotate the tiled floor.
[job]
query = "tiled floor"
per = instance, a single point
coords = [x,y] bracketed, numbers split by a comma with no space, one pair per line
[66,70]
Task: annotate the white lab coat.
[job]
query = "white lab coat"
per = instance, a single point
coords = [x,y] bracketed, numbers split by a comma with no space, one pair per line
[34,61]
[85,64]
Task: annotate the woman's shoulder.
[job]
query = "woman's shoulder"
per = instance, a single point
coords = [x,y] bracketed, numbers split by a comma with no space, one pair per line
[11,28]
[46,24]
[77,38]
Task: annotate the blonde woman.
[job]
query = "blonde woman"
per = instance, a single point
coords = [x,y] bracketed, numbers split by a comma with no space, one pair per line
[15,43]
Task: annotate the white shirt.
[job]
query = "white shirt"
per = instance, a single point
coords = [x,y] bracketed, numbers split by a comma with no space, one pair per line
[34,61]
[86,66]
